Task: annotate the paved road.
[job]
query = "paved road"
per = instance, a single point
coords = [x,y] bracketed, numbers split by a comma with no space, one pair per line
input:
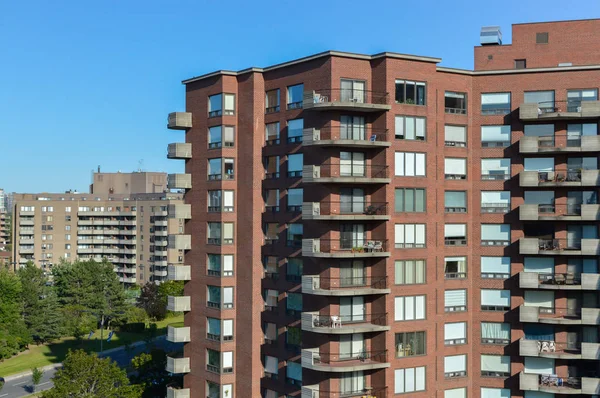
[21,387]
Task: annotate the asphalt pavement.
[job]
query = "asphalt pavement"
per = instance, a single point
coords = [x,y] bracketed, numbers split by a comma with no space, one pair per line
[16,387]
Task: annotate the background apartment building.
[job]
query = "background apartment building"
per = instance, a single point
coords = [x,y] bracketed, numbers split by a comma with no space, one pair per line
[380,225]
[131,230]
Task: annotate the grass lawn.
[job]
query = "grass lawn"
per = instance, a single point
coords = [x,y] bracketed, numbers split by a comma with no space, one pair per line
[43,355]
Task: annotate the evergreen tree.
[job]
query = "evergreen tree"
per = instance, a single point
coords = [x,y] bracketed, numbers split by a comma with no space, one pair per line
[151,302]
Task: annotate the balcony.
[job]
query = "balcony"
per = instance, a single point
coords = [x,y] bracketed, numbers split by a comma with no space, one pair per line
[180,211]
[160,251]
[26,223]
[160,263]
[557,144]
[179,151]
[161,233]
[179,121]
[160,273]
[161,243]
[312,391]
[342,248]
[26,241]
[560,178]
[344,211]
[178,365]
[179,181]
[559,247]
[26,250]
[180,242]
[127,280]
[559,110]
[354,286]
[126,270]
[558,350]
[313,359]
[559,316]
[566,212]
[179,304]
[161,223]
[350,136]
[178,334]
[336,324]
[553,384]
[346,100]
[179,272]
[346,174]
[568,281]
[173,392]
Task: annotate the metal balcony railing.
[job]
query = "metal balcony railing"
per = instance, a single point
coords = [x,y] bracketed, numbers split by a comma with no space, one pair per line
[354,170]
[338,358]
[350,96]
[326,283]
[340,321]
[560,210]
[356,245]
[352,132]
[559,244]
[549,312]
[332,208]
[559,279]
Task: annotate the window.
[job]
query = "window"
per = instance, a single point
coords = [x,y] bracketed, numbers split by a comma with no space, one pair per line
[455,300]
[495,169]
[410,92]
[544,99]
[220,201]
[456,393]
[270,330]
[221,104]
[294,131]
[272,101]
[410,344]
[575,97]
[219,136]
[409,200]
[352,383]
[455,333]
[455,135]
[352,128]
[294,199]
[495,234]
[455,234]
[352,164]
[294,235]
[271,367]
[495,300]
[293,373]
[495,365]
[272,133]
[295,165]
[409,380]
[295,95]
[455,366]
[219,330]
[455,201]
[227,297]
[409,308]
[353,91]
[495,104]
[271,167]
[410,236]
[455,102]
[495,333]
[455,168]
[410,164]
[495,201]
[220,169]
[294,269]
[271,232]
[214,265]
[293,304]
[541,38]
[67,246]
[272,200]
[455,267]
[409,272]
[495,267]
[576,131]
[487,392]
[520,64]
[495,136]
[271,297]
[410,128]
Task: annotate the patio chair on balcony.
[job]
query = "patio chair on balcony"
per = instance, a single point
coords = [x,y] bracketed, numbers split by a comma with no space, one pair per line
[378,246]
[570,279]
[369,246]
[559,279]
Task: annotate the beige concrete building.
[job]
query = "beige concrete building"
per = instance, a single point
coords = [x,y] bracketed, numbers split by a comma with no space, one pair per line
[135,232]
[3,229]
[128,183]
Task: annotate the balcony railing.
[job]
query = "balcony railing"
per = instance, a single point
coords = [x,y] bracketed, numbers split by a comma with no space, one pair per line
[330,170]
[559,143]
[500,176]
[570,109]
[556,312]
[559,279]
[357,208]
[559,244]
[353,245]
[489,207]
[313,391]
[328,358]
[346,99]
[350,135]
[569,246]
[327,283]
[341,321]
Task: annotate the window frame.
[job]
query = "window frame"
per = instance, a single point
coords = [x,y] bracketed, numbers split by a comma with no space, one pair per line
[406,339]
[403,263]
[295,104]
[414,191]
[274,108]
[418,138]
[222,111]
[451,110]
[497,111]
[405,100]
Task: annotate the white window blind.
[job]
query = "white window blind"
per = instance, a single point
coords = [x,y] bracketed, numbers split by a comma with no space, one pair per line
[496,232]
[271,364]
[409,235]
[538,394]
[455,331]
[228,359]
[543,265]
[228,262]
[495,297]
[455,298]
[539,298]
[539,164]
[540,366]
[495,98]
[495,166]
[271,394]
[487,392]
[495,197]
[228,295]
[228,230]
[495,133]
[410,128]
[497,265]
[228,327]
[456,393]
[495,363]
[409,308]
[455,363]
[455,133]
[228,198]
[455,166]
[455,230]
[229,102]
[409,380]
[409,164]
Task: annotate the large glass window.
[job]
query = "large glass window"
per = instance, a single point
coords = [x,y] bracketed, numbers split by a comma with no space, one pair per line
[575,97]
[220,169]
[455,333]
[495,201]
[294,269]
[410,92]
[495,333]
[272,133]
[272,101]
[495,300]
[495,267]
[294,235]
[294,131]
[295,165]
[455,366]
[576,131]
[353,91]
[409,272]
[495,234]
[495,365]
[409,308]
[488,392]
[221,104]
[495,103]
[409,200]
[295,94]
[455,201]
[408,236]
[271,167]
[495,169]
[293,303]
[410,164]
[455,267]
[544,99]
[410,344]
[294,199]
[219,136]
[455,102]
[455,135]
[455,234]
[455,300]
[410,128]
[352,383]
[272,200]
[293,373]
[455,168]
[352,128]
[495,136]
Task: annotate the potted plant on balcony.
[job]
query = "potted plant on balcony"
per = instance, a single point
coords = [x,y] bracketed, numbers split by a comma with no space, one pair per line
[357,249]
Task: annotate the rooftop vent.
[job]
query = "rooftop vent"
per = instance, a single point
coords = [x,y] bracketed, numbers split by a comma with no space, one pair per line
[490,35]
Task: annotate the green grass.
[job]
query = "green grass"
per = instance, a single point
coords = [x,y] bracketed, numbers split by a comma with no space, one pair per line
[47,354]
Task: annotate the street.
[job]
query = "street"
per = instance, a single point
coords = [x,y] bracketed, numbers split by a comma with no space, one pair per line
[21,387]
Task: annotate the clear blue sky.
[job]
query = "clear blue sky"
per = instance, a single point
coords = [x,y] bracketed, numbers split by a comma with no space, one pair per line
[88,83]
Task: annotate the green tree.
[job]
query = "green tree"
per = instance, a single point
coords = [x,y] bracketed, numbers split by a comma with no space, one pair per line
[10,297]
[151,374]
[151,302]
[78,321]
[169,288]
[36,377]
[87,376]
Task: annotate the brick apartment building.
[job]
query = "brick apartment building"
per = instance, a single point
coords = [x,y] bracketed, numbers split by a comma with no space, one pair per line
[371,226]
[140,233]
